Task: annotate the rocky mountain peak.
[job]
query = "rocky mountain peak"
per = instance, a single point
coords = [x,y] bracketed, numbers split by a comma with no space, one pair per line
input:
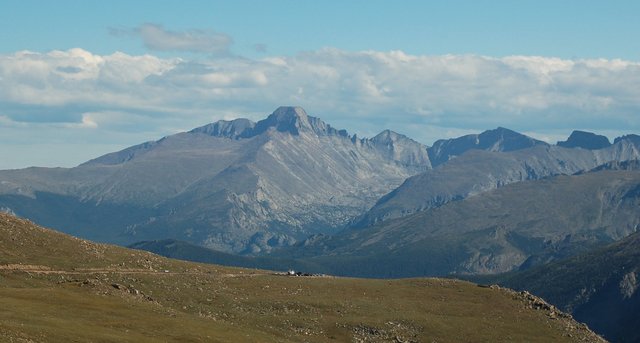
[388,137]
[401,149]
[290,119]
[289,113]
[503,139]
[631,138]
[585,140]
[499,139]
[230,129]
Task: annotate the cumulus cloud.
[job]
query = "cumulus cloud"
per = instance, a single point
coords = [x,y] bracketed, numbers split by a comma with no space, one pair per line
[422,96]
[156,37]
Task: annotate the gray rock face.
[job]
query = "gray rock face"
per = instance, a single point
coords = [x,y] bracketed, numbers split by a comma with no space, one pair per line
[397,147]
[517,226]
[230,129]
[236,186]
[634,139]
[477,171]
[500,139]
[585,140]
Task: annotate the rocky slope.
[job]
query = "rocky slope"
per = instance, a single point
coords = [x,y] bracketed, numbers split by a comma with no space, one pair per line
[599,287]
[237,186]
[56,288]
[512,227]
[476,171]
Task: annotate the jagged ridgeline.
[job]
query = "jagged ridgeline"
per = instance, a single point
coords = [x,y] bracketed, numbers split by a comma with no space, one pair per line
[236,186]
[248,187]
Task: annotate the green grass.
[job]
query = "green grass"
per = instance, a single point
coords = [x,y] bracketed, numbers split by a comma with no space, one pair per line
[208,303]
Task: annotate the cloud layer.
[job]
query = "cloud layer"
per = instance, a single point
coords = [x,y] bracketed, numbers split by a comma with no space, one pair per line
[422,96]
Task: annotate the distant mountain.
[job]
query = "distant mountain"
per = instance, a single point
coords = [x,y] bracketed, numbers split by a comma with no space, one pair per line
[500,139]
[236,186]
[631,138]
[615,165]
[599,287]
[517,226]
[585,140]
[477,171]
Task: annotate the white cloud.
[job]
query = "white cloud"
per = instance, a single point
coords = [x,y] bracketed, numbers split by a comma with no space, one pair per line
[407,93]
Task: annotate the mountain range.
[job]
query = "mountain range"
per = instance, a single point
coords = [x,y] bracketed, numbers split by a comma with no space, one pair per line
[236,186]
[506,161]
[513,227]
[291,191]
[248,187]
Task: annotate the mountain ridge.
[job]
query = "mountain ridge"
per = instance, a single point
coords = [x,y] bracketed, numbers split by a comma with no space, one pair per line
[477,171]
[513,227]
[237,186]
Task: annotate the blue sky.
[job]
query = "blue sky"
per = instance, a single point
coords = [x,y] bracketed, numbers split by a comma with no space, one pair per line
[102,75]
[566,29]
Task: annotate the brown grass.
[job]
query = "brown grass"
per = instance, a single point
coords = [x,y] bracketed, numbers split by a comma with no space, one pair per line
[128,297]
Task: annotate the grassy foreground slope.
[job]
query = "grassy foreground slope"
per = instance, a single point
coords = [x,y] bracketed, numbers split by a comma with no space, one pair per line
[56,288]
[599,287]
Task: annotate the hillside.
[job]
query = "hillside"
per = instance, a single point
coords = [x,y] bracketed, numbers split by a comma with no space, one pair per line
[599,287]
[190,252]
[55,287]
[512,227]
[476,171]
[236,186]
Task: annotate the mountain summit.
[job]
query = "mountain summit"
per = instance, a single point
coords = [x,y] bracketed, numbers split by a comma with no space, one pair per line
[499,139]
[237,186]
[287,119]
[585,140]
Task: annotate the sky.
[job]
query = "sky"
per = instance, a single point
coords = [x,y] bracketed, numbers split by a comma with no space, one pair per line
[79,79]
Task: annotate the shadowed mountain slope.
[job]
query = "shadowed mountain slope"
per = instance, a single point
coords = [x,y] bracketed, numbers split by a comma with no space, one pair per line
[478,171]
[599,287]
[513,227]
[585,140]
[499,139]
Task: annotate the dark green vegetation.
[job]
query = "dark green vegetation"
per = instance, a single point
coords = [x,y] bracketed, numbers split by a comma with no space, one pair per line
[56,288]
[599,287]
